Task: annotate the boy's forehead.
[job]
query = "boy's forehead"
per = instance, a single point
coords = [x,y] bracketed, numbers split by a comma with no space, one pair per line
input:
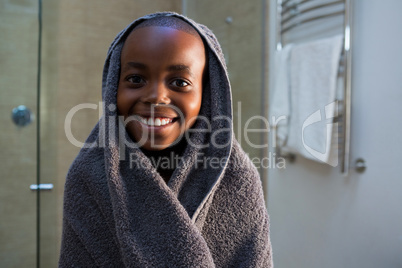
[166,24]
[147,45]
[157,36]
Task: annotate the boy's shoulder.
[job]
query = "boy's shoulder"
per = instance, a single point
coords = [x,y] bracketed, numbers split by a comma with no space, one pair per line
[240,161]
[89,165]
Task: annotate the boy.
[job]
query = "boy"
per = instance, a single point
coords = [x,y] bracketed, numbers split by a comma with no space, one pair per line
[204,207]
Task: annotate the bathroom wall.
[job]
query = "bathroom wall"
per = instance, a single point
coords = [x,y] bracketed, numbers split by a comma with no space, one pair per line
[320,218]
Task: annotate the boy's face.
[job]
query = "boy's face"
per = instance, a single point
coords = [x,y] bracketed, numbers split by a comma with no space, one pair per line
[164,67]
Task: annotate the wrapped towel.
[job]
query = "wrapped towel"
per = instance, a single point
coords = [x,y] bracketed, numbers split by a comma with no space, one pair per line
[122,215]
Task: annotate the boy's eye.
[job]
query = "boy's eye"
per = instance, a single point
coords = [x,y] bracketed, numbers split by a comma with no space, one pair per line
[180,83]
[135,79]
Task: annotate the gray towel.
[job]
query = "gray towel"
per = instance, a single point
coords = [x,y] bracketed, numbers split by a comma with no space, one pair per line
[207,215]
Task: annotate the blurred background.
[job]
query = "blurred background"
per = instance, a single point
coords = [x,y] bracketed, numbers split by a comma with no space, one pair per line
[51,59]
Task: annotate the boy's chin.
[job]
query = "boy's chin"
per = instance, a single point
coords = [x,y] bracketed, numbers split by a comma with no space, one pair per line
[177,144]
[157,146]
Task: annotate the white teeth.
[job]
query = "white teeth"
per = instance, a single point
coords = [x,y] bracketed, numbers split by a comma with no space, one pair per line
[155,122]
[166,121]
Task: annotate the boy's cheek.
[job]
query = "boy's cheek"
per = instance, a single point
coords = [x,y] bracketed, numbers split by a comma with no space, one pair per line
[122,104]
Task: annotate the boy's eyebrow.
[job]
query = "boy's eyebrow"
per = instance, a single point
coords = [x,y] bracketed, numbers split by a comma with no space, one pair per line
[178,67]
[135,65]
[181,67]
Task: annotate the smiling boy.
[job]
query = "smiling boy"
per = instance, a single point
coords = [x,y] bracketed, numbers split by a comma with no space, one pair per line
[160,87]
[167,76]
[161,66]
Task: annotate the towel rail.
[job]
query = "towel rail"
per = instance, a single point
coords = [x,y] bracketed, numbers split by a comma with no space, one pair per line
[292,6]
[296,12]
[347,88]
[284,30]
[285,3]
[289,10]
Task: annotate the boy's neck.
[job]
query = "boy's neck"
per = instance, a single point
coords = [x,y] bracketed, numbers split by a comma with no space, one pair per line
[165,161]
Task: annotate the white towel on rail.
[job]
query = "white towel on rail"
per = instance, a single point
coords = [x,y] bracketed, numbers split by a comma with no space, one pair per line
[280,100]
[313,82]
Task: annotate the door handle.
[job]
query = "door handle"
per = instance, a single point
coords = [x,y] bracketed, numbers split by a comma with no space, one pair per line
[42,186]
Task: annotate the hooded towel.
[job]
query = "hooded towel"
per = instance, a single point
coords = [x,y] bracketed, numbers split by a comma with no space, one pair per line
[209,214]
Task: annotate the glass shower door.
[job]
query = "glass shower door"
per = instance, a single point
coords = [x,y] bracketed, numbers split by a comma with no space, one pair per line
[18,135]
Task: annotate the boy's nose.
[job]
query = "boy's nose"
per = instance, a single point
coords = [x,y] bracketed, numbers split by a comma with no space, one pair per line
[157,93]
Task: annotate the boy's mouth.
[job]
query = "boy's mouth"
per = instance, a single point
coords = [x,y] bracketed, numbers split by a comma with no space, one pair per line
[155,122]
